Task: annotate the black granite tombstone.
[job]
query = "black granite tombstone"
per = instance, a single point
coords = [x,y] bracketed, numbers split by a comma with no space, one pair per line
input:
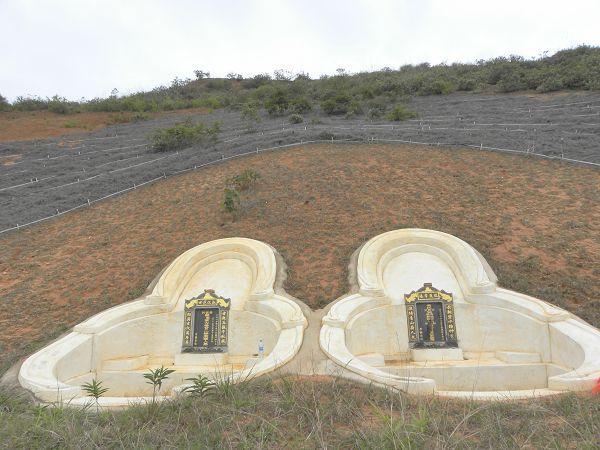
[206,323]
[430,316]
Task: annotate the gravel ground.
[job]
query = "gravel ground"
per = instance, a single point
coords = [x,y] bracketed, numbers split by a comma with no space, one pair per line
[55,175]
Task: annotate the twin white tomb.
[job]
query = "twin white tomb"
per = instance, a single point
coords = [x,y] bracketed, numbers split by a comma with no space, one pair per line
[425,316]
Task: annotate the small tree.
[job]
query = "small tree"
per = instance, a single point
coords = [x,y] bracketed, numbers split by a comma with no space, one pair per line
[94,389]
[282,75]
[250,113]
[200,74]
[4,105]
[302,76]
[231,200]
[155,378]
[235,76]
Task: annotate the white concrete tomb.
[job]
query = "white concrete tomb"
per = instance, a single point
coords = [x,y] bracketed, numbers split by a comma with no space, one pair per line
[429,317]
[206,314]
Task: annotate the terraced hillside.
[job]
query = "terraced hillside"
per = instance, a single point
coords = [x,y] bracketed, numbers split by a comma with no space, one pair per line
[43,178]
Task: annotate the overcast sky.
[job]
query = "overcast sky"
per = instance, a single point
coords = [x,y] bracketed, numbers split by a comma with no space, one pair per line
[85,48]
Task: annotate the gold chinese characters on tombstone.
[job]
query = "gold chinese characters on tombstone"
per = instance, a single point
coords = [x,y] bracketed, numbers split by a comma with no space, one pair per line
[430,315]
[206,323]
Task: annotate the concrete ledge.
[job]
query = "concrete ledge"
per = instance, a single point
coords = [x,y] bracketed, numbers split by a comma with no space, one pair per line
[436,354]
[518,357]
[200,359]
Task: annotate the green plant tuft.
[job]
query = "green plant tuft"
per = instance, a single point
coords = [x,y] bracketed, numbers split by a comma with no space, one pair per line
[94,389]
[185,135]
[400,113]
[201,386]
[156,378]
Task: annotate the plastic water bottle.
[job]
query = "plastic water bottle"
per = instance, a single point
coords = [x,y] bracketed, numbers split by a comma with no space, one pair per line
[261,349]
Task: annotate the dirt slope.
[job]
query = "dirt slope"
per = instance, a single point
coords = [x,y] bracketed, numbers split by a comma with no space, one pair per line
[536,221]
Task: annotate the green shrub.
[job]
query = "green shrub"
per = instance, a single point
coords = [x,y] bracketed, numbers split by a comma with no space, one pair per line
[256,81]
[29,104]
[250,112]
[436,87]
[326,136]
[184,135]
[4,105]
[466,84]
[140,117]
[211,102]
[575,68]
[377,107]
[277,103]
[400,113]
[243,181]
[233,187]
[337,104]
[511,83]
[550,84]
[354,108]
[59,105]
[300,105]
[119,117]
[296,118]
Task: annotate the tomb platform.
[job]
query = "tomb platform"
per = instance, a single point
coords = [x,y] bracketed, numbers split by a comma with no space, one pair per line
[213,312]
[427,316]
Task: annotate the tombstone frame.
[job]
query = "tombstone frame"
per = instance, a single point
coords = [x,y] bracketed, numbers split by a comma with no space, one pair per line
[206,323]
[430,317]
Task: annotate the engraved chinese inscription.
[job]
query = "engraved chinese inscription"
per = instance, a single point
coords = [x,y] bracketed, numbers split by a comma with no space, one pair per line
[206,321]
[430,316]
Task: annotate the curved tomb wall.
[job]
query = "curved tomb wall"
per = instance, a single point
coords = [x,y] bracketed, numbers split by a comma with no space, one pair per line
[229,277]
[161,336]
[407,272]
[384,330]
[380,330]
[480,328]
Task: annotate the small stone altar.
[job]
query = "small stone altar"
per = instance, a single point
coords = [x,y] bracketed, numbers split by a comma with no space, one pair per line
[427,316]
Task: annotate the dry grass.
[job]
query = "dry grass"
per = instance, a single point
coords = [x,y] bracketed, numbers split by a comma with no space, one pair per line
[308,413]
[536,222]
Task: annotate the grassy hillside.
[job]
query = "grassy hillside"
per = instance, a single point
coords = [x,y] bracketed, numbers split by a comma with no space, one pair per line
[315,205]
[372,94]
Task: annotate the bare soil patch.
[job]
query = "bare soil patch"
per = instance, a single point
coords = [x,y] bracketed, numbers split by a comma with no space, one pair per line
[536,221]
[22,125]
[9,160]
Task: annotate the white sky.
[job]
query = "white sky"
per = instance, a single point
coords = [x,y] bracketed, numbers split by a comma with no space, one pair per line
[85,48]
